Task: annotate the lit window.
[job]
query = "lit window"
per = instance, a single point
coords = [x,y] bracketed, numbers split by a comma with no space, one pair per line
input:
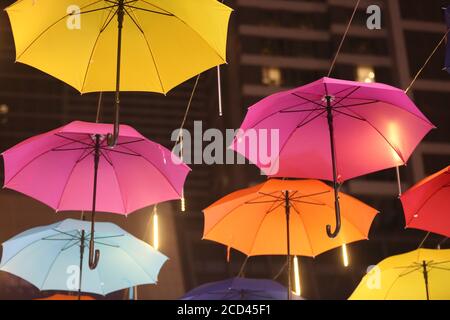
[365,74]
[271,76]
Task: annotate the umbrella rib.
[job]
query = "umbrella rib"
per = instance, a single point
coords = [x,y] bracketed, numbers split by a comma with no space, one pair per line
[304,228]
[118,186]
[153,59]
[424,203]
[310,195]
[187,25]
[103,28]
[69,176]
[349,115]
[381,134]
[309,100]
[136,263]
[50,269]
[347,95]
[150,11]
[157,168]
[75,140]
[341,105]
[304,123]
[51,26]
[130,142]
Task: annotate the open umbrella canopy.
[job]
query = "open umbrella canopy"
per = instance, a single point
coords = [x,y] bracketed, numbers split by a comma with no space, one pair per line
[163,42]
[239,289]
[49,258]
[57,168]
[376,127]
[253,220]
[427,204]
[417,275]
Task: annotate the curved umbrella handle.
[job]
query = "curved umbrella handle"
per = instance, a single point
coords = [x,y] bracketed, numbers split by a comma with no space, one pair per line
[94,255]
[337,209]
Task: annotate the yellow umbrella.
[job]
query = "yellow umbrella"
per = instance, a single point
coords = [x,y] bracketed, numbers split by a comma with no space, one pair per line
[120,45]
[423,274]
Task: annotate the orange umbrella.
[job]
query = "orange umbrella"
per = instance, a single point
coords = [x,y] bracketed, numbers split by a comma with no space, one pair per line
[66,297]
[281,217]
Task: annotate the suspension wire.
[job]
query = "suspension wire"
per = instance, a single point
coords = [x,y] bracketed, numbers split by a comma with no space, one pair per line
[343,38]
[423,241]
[281,271]
[99,107]
[241,271]
[427,61]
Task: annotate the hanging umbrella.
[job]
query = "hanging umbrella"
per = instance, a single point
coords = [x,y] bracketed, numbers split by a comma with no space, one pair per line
[47,257]
[239,289]
[333,130]
[427,204]
[423,274]
[120,45]
[283,217]
[72,168]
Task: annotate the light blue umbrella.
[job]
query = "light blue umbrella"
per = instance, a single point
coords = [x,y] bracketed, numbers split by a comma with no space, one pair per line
[49,257]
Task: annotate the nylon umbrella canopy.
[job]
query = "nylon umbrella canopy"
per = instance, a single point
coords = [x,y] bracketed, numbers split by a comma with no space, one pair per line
[423,274]
[284,217]
[332,130]
[49,258]
[427,204]
[239,289]
[120,45]
[72,168]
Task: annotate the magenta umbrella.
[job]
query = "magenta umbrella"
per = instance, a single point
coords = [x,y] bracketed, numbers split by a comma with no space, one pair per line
[332,130]
[73,168]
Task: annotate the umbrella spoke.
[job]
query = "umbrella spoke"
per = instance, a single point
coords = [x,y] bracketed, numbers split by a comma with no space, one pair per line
[312,101]
[347,95]
[309,202]
[312,119]
[75,140]
[150,11]
[369,102]
[104,155]
[310,195]
[349,115]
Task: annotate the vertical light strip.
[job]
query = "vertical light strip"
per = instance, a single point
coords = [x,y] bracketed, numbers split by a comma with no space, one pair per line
[298,289]
[155,229]
[345,255]
[183,201]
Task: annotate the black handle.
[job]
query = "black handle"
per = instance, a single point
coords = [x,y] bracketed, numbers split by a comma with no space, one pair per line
[337,209]
[94,255]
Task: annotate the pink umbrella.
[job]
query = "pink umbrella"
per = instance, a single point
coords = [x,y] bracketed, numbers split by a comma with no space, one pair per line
[333,130]
[56,168]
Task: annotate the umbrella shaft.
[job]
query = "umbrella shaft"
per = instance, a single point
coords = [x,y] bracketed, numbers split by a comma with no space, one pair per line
[425,277]
[80,278]
[333,160]
[120,16]
[288,243]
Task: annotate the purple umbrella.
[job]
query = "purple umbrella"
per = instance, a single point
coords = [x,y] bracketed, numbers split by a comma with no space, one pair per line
[73,168]
[333,130]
